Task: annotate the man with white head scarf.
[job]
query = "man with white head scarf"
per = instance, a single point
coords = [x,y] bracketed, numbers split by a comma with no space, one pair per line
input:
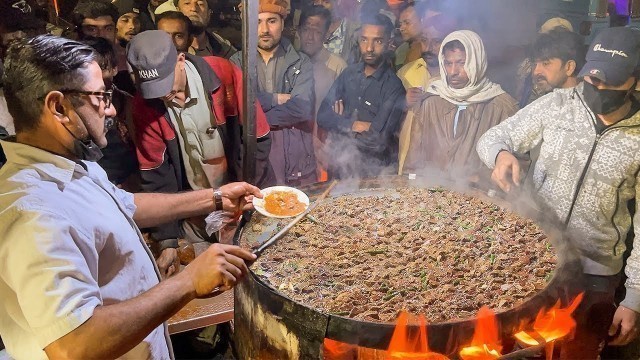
[459,108]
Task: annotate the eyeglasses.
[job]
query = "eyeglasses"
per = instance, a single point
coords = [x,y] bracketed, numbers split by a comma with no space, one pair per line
[105,96]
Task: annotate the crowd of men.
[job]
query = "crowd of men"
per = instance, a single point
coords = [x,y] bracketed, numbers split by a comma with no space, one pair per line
[147,99]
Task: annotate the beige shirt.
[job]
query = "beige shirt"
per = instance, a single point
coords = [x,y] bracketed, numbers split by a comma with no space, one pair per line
[413,74]
[327,66]
[68,244]
[201,147]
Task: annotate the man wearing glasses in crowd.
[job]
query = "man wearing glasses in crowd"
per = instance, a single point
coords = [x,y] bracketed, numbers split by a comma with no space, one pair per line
[78,281]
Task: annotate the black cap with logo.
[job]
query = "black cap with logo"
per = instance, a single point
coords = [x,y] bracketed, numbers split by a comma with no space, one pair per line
[613,55]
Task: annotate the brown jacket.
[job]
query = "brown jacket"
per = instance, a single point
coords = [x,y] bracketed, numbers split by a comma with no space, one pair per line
[433,145]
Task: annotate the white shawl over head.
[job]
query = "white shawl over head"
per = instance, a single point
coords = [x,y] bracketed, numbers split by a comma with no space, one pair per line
[480,88]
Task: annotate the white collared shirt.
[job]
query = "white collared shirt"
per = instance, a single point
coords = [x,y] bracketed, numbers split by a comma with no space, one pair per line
[68,244]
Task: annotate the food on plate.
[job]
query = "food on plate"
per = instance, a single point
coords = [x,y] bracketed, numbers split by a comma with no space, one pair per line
[283,203]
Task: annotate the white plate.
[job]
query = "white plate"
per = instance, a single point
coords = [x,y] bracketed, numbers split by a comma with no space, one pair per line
[259,203]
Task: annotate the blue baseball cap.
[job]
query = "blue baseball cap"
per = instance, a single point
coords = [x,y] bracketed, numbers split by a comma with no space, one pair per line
[613,55]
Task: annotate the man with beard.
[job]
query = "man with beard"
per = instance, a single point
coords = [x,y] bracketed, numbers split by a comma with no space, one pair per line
[417,75]
[128,24]
[363,110]
[205,43]
[558,56]
[585,178]
[527,88]
[96,19]
[459,108]
[327,66]
[285,91]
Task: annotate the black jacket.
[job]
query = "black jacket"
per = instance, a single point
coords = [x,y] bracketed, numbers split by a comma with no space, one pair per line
[3,135]
[377,99]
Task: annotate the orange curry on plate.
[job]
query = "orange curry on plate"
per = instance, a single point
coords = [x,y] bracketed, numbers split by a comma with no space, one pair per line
[283,203]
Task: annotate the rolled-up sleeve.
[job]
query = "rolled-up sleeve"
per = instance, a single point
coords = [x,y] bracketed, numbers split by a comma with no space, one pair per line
[47,265]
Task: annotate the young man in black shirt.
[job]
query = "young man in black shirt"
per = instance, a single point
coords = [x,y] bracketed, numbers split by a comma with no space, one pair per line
[364,108]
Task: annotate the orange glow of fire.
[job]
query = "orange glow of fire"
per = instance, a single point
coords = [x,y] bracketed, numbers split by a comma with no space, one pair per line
[55,6]
[406,346]
[335,350]
[485,344]
[552,324]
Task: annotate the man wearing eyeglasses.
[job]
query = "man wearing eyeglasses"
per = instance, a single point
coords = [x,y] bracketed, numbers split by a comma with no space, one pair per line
[77,279]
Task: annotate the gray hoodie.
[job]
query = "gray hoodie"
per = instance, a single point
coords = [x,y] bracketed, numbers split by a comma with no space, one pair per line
[586,179]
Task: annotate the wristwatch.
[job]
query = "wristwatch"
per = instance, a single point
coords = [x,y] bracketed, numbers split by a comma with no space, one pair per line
[217,199]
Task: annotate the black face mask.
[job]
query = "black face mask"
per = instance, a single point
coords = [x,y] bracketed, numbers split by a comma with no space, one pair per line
[87,149]
[604,101]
